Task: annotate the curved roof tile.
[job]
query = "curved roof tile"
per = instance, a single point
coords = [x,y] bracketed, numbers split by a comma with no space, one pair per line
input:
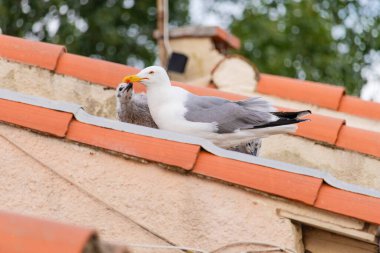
[26,234]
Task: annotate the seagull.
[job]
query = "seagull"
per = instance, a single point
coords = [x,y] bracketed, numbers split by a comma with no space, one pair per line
[133,108]
[225,123]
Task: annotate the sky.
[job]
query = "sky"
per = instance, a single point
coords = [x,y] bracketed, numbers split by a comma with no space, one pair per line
[371,90]
[200,16]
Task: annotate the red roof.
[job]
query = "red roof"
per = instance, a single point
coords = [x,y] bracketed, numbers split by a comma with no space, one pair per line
[54,57]
[309,190]
[41,119]
[26,234]
[172,153]
[41,54]
[320,94]
[189,157]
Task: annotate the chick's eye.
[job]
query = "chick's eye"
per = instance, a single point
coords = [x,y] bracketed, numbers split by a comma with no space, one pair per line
[151,72]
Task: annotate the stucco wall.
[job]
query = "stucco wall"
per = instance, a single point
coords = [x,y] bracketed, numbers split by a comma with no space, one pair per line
[132,202]
[96,99]
[128,201]
[345,165]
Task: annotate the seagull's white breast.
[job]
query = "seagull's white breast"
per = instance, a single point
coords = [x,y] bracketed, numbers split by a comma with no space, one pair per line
[167,107]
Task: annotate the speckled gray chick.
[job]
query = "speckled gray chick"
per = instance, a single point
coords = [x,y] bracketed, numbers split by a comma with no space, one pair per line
[131,107]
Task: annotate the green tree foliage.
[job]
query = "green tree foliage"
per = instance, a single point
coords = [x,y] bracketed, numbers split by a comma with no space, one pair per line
[325,41]
[115,30]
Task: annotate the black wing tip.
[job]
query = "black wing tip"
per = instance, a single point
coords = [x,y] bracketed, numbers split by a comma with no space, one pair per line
[291,115]
[282,121]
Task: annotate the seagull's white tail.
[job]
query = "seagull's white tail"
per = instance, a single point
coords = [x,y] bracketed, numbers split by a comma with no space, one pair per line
[234,139]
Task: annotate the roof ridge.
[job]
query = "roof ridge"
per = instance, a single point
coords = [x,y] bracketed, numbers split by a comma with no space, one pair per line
[324,95]
[42,54]
[82,116]
[55,58]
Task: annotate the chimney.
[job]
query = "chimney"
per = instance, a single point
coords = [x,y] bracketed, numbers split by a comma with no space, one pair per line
[204,46]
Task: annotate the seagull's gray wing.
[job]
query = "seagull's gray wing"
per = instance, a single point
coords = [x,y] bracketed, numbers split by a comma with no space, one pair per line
[229,116]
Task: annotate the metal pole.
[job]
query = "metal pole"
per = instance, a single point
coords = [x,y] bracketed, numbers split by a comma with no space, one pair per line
[160,27]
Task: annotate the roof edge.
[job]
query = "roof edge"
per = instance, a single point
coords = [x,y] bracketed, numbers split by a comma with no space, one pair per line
[81,115]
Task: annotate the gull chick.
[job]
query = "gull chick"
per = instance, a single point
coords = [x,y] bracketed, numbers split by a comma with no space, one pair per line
[225,123]
[131,107]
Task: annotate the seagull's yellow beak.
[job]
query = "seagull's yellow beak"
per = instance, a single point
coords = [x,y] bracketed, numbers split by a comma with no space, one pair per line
[132,78]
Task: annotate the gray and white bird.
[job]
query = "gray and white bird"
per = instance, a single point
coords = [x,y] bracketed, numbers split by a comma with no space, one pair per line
[225,123]
[133,108]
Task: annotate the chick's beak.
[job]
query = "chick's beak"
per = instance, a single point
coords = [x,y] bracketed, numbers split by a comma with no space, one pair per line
[132,78]
[129,86]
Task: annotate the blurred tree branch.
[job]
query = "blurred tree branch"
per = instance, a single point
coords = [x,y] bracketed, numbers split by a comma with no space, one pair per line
[115,30]
[321,40]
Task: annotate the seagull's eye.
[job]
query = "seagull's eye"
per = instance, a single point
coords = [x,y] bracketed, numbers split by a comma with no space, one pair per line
[120,88]
[151,72]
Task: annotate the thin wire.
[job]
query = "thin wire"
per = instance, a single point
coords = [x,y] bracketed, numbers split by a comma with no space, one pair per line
[183,248]
[255,243]
[151,246]
[263,250]
[87,193]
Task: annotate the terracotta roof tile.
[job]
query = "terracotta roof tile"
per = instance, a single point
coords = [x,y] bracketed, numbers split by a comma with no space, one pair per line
[347,203]
[357,106]
[169,152]
[223,35]
[41,54]
[323,95]
[34,117]
[93,70]
[209,92]
[289,185]
[52,56]
[25,234]
[269,180]
[321,128]
[286,184]
[360,140]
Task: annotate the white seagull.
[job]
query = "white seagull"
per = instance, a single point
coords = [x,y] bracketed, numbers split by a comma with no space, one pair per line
[133,108]
[225,123]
